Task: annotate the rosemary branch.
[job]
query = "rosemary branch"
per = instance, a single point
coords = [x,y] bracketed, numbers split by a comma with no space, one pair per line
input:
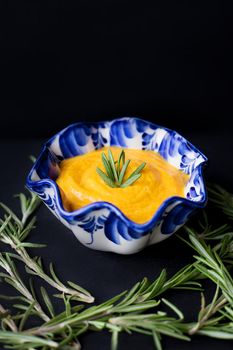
[116,170]
[14,231]
[11,276]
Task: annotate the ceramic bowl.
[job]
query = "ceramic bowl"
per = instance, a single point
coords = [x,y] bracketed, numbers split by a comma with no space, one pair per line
[101,225]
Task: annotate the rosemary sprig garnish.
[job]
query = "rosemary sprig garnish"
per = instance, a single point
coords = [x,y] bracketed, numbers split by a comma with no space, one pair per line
[138,310]
[115,170]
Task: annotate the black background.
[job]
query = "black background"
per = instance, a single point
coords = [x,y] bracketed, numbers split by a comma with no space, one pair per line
[169,62]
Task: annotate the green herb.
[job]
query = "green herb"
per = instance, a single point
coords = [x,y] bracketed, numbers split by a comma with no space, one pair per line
[222,198]
[115,170]
[138,310]
[14,231]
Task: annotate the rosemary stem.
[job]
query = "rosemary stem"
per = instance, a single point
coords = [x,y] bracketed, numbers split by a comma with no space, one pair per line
[200,324]
[32,265]
[13,239]
[21,287]
[43,330]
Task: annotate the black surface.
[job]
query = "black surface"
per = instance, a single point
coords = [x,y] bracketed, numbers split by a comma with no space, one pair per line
[169,62]
[106,274]
[63,62]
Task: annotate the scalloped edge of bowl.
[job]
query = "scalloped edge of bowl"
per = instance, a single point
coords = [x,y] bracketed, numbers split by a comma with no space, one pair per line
[140,228]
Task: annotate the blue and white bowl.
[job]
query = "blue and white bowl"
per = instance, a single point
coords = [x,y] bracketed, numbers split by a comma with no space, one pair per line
[101,225]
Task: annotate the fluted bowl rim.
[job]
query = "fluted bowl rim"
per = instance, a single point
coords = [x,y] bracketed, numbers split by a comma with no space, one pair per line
[140,228]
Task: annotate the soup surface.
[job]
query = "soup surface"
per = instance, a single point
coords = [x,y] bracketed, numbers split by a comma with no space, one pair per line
[80,183]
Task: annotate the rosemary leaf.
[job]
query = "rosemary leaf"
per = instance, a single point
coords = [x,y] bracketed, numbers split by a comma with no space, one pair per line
[28,341]
[26,315]
[157,341]
[131,180]
[104,177]
[121,159]
[216,333]
[30,245]
[123,171]
[47,301]
[138,170]
[174,308]
[12,215]
[111,160]
[107,166]
[77,287]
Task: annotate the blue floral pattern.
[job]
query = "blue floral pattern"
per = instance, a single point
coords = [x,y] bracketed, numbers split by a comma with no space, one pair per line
[91,224]
[102,218]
